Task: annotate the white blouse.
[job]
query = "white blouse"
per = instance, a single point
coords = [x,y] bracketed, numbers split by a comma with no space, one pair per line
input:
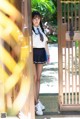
[37,43]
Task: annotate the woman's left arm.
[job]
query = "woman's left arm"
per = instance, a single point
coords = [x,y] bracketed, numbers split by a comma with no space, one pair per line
[47,49]
[47,52]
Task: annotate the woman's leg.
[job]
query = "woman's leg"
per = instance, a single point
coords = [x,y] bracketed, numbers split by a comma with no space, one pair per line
[35,84]
[38,71]
[39,68]
[37,75]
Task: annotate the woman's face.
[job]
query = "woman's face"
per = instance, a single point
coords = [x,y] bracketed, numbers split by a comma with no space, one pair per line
[36,21]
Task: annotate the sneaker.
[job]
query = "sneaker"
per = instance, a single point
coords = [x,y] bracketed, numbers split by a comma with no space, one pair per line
[38,109]
[41,105]
[21,115]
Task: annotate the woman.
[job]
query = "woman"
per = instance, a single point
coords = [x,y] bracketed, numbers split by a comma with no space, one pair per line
[39,56]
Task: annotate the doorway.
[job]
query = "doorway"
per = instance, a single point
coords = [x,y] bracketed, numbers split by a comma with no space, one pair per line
[49,79]
[68,58]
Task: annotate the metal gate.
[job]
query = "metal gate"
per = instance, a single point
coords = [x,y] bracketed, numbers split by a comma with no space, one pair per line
[69,54]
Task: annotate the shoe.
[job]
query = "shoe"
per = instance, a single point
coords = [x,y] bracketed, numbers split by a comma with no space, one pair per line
[21,115]
[41,105]
[38,109]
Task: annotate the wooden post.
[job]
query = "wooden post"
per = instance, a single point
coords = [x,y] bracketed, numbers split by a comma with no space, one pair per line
[59,19]
[63,34]
[28,108]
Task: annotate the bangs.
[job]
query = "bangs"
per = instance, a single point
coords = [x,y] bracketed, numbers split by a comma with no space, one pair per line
[36,14]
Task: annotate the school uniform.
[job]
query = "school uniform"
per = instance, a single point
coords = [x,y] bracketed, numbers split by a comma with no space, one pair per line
[39,53]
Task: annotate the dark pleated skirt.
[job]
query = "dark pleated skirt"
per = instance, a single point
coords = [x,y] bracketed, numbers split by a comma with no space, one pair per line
[39,55]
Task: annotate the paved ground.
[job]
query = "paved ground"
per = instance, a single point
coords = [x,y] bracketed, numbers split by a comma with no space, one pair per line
[49,79]
[60,117]
[51,104]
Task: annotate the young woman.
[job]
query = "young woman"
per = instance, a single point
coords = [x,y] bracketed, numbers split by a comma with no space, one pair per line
[39,56]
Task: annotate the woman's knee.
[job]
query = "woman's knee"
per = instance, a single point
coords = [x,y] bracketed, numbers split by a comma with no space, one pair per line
[35,78]
[38,79]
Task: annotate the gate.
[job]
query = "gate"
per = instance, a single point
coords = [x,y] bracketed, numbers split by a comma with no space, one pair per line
[69,54]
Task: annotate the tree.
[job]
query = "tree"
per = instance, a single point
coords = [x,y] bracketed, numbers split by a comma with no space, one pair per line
[45,7]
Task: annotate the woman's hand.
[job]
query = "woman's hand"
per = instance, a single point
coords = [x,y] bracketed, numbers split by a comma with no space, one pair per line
[48,58]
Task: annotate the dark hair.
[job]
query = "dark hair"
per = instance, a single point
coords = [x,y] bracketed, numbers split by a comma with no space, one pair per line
[36,13]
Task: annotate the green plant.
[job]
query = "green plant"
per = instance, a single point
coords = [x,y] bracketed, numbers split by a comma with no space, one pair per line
[45,7]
